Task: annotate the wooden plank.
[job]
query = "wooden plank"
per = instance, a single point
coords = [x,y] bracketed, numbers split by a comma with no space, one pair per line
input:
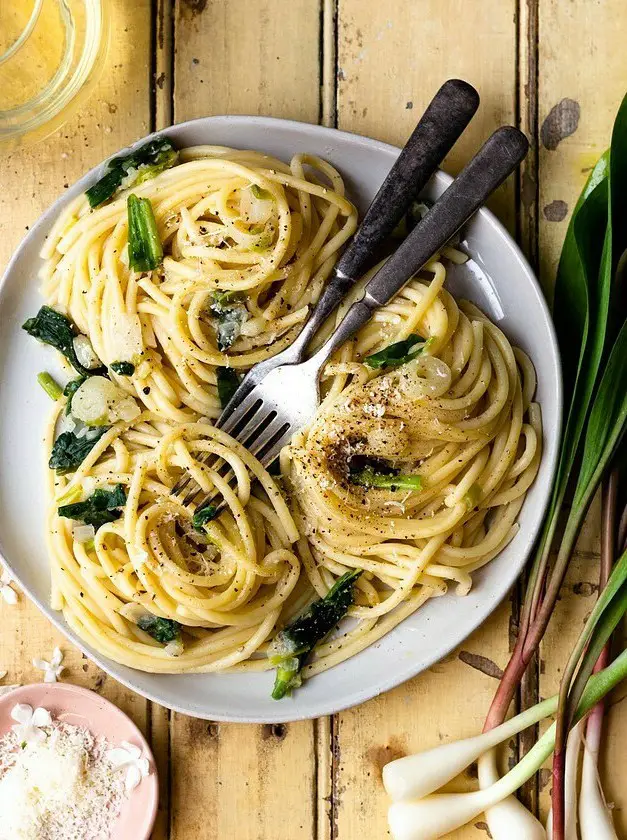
[527,234]
[250,782]
[446,702]
[391,60]
[162,115]
[393,56]
[582,72]
[163,58]
[117,113]
[229,780]
[247,58]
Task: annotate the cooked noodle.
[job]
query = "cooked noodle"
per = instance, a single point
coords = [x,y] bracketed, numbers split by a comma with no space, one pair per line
[205,214]
[460,415]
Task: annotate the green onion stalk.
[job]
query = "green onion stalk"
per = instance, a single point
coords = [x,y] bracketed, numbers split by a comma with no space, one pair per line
[594,724]
[591,652]
[588,315]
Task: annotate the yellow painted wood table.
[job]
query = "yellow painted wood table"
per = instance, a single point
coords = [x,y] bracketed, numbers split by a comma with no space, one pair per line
[370,67]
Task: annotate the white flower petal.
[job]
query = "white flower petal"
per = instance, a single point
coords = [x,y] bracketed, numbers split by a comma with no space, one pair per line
[133,778]
[37,735]
[41,664]
[3,674]
[50,676]
[41,717]
[143,765]
[57,657]
[5,577]
[22,713]
[133,750]
[118,757]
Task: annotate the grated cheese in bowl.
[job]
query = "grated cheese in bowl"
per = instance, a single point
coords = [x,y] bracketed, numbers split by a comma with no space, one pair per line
[62,787]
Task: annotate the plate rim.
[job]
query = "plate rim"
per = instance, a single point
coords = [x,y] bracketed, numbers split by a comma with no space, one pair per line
[399,675]
[23,693]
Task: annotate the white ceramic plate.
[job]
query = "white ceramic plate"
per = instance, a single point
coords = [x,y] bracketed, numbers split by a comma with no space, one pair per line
[498,279]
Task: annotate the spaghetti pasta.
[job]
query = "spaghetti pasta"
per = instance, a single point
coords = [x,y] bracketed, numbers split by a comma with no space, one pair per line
[459,417]
[451,431]
[236,223]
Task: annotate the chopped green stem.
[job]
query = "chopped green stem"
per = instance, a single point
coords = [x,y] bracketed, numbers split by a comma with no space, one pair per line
[123,368]
[260,193]
[369,477]
[145,251]
[396,354]
[146,162]
[287,678]
[292,646]
[163,630]
[52,388]
[203,514]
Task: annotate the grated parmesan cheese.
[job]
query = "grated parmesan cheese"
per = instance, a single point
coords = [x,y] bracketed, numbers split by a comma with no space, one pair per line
[63,788]
[374,409]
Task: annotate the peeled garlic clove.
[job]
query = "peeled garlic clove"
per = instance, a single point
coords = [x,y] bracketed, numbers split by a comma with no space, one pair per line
[85,353]
[99,402]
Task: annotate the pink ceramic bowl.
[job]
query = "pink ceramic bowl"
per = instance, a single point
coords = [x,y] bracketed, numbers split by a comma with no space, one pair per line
[81,707]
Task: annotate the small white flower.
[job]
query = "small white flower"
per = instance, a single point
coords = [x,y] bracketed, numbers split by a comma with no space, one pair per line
[53,669]
[9,595]
[129,756]
[29,723]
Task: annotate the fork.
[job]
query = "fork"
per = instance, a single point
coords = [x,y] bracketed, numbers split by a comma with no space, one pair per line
[288,396]
[439,128]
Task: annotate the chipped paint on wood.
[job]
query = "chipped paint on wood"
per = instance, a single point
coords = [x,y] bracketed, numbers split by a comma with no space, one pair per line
[561,121]
[481,663]
[195,7]
[556,211]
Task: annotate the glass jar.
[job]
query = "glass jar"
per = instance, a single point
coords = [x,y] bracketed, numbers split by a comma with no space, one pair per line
[51,52]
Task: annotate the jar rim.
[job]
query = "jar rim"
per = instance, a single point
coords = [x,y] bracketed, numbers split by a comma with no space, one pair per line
[24,34]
